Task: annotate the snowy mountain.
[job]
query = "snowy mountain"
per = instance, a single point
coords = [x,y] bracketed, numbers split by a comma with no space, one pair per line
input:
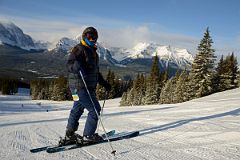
[105,54]
[12,35]
[136,59]
[40,45]
[65,44]
[167,55]
[206,128]
[180,58]
[119,53]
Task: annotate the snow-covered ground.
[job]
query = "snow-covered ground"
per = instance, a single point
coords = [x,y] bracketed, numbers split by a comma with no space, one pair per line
[205,128]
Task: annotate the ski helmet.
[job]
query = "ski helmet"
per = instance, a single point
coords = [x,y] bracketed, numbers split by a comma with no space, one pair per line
[90,33]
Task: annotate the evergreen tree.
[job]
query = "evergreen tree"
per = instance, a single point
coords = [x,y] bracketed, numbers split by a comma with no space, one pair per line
[116,87]
[100,92]
[122,87]
[138,89]
[41,92]
[50,90]
[142,91]
[238,76]
[164,77]
[155,71]
[34,89]
[130,97]
[123,101]
[61,88]
[127,97]
[153,88]
[111,79]
[8,86]
[180,93]
[218,81]
[233,68]
[173,88]
[56,89]
[129,84]
[229,73]
[203,68]
[165,96]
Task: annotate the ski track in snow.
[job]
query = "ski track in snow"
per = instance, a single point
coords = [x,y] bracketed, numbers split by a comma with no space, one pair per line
[204,128]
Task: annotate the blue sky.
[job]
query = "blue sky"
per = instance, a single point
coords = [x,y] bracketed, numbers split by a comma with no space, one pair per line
[124,23]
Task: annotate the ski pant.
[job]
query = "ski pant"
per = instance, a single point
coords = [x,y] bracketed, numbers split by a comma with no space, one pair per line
[78,109]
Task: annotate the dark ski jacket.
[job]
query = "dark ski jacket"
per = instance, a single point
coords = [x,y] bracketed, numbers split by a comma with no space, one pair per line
[84,58]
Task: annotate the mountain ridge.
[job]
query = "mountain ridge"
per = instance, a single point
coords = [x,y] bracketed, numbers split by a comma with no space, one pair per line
[12,35]
[168,55]
[124,61]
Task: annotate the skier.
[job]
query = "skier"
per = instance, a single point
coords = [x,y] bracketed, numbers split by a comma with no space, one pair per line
[84,58]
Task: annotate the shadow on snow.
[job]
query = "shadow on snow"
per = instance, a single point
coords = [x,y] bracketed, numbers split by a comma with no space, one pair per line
[179,123]
[65,119]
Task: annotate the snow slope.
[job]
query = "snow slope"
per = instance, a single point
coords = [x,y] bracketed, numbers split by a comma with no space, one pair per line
[205,128]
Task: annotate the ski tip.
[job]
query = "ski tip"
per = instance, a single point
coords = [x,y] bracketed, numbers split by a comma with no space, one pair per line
[114,152]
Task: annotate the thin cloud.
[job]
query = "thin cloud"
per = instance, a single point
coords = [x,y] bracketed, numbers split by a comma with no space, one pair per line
[46,30]
[130,36]
[125,35]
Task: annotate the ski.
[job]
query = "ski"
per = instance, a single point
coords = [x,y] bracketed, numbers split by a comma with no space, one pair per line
[39,149]
[114,137]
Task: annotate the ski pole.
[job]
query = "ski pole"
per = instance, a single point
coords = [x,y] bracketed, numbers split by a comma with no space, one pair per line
[101,115]
[109,142]
[105,97]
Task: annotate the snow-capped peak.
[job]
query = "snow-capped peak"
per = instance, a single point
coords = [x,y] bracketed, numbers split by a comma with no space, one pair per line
[168,52]
[65,44]
[12,35]
[178,56]
[142,50]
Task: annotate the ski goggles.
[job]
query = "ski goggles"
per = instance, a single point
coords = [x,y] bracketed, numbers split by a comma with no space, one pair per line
[91,36]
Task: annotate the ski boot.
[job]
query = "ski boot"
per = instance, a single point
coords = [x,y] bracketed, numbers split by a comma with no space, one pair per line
[70,138]
[92,139]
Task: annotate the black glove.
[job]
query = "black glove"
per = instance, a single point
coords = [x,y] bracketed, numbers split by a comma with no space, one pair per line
[107,86]
[103,82]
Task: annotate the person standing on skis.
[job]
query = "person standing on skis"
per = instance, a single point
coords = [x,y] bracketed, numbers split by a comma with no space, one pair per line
[84,58]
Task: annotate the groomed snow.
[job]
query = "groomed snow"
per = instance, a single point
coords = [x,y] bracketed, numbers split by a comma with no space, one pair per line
[205,128]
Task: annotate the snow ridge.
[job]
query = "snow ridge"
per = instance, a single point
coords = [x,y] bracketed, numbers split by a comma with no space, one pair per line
[167,54]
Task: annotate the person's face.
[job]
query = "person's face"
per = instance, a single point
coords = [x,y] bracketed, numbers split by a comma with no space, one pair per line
[91,37]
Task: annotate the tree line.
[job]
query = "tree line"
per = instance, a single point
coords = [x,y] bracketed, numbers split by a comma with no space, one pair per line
[206,77]
[118,87]
[50,89]
[203,79]
[58,90]
[8,86]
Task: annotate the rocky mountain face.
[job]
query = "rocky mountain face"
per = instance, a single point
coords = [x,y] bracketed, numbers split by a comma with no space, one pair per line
[12,35]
